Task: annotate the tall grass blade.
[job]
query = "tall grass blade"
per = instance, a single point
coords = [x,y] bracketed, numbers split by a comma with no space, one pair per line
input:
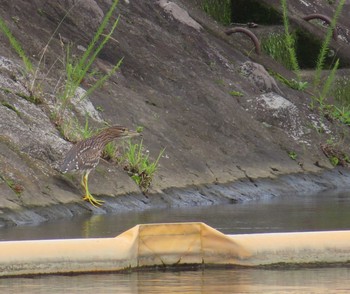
[86,60]
[290,41]
[16,46]
[77,70]
[47,46]
[329,82]
[220,10]
[325,45]
[102,80]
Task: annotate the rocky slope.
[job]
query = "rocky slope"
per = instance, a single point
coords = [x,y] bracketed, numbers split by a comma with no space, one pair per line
[178,71]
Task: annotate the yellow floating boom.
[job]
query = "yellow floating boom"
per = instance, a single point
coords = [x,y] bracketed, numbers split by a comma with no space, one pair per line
[170,245]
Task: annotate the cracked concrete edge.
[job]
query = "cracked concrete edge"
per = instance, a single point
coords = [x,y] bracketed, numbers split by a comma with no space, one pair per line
[248,189]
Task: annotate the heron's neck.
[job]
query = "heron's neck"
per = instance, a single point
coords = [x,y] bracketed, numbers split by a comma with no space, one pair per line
[106,136]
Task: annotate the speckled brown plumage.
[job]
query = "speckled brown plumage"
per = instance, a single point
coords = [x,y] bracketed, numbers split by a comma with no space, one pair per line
[85,155]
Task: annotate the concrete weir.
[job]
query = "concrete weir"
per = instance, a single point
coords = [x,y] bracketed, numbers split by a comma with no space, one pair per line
[171,245]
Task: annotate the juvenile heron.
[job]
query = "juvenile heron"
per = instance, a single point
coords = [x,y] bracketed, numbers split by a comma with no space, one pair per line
[85,155]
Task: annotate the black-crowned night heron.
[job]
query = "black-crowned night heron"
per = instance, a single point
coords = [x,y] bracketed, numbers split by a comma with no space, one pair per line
[85,155]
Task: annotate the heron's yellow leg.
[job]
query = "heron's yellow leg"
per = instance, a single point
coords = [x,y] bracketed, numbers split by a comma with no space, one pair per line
[88,196]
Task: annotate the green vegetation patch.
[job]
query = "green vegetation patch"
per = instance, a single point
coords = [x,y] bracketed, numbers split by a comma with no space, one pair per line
[139,166]
[342,91]
[308,48]
[275,45]
[11,107]
[292,155]
[15,187]
[335,156]
[341,109]
[16,45]
[220,10]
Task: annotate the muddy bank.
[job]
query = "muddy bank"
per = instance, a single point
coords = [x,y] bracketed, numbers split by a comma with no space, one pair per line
[206,195]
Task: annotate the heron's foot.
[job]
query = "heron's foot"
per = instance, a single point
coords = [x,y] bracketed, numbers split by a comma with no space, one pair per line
[93,200]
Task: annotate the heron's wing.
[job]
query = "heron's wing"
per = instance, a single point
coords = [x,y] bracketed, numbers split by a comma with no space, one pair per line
[82,156]
[70,162]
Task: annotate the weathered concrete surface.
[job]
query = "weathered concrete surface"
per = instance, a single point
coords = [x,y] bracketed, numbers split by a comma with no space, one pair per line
[177,74]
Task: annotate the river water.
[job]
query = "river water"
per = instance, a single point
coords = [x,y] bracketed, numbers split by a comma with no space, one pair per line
[324,211]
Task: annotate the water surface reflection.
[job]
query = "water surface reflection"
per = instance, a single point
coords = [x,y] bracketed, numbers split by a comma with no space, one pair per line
[326,211]
[334,280]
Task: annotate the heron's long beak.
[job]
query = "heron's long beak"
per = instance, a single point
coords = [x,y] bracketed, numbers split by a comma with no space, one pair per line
[131,134]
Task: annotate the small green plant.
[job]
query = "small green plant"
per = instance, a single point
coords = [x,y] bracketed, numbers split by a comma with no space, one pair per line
[328,84]
[335,156]
[110,152]
[220,10]
[71,129]
[15,19]
[282,48]
[276,46]
[325,45]
[334,160]
[236,93]
[298,85]
[18,189]
[11,107]
[220,82]
[16,46]
[293,83]
[139,129]
[78,69]
[290,41]
[292,155]
[340,113]
[35,86]
[27,63]
[331,142]
[86,132]
[341,91]
[139,166]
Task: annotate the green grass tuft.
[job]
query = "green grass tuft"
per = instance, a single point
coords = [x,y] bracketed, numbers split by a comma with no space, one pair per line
[341,91]
[78,70]
[236,94]
[328,84]
[15,187]
[290,41]
[276,46]
[139,166]
[16,46]
[325,45]
[292,155]
[220,10]
[11,107]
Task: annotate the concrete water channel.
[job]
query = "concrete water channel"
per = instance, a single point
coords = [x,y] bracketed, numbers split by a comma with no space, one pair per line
[291,213]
